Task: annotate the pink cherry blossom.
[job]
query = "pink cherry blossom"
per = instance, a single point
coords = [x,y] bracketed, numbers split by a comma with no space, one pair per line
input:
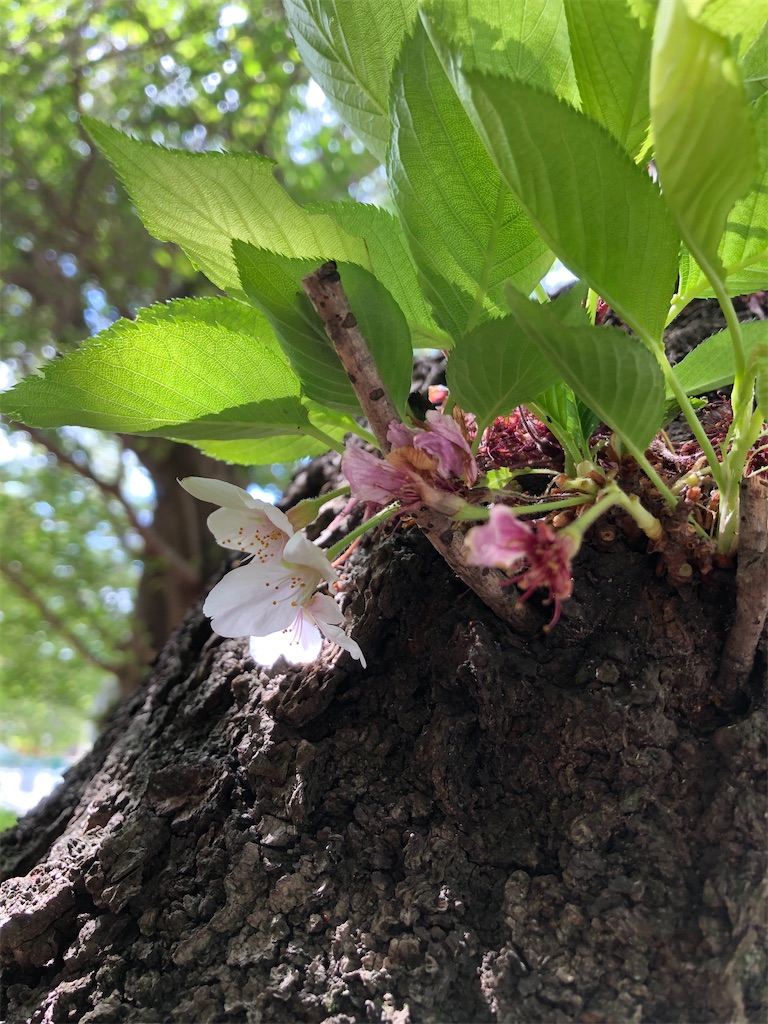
[504,542]
[426,466]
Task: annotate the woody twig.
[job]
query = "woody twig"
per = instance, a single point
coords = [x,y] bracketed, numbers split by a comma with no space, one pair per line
[326,293]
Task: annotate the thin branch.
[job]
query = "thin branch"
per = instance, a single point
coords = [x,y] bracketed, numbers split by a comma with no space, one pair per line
[56,622]
[154,543]
[327,295]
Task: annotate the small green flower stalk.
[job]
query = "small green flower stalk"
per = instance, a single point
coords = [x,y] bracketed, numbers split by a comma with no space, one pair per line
[651,187]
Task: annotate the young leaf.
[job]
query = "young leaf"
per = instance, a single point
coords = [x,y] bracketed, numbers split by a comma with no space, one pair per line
[611,57]
[711,364]
[201,201]
[273,283]
[462,222]
[612,372]
[526,40]
[496,367]
[172,365]
[743,249]
[597,210]
[349,49]
[704,166]
[565,409]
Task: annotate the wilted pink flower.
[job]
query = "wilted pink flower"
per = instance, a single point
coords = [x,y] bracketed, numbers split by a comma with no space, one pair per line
[425,467]
[504,541]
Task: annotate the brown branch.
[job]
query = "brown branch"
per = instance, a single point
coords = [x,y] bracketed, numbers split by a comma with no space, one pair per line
[154,543]
[326,293]
[57,623]
[738,655]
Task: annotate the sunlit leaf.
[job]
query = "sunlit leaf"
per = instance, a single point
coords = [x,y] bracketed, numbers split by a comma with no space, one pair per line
[711,364]
[703,167]
[743,249]
[611,56]
[526,40]
[180,362]
[201,201]
[465,228]
[349,49]
[597,210]
[612,372]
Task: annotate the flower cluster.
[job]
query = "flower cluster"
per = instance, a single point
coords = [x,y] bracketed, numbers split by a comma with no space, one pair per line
[271,598]
[504,542]
[425,466]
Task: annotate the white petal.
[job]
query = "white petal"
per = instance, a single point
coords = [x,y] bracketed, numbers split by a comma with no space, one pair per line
[327,615]
[256,599]
[301,552]
[299,643]
[220,492]
[247,530]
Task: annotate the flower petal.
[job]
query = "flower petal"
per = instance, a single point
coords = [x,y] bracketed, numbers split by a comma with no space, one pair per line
[248,530]
[301,554]
[227,495]
[501,542]
[299,643]
[327,614]
[256,599]
[371,479]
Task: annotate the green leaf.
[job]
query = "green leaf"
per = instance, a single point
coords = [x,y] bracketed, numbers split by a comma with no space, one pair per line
[754,66]
[596,209]
[612,372]
[743,249]
[350,49]
[705,163]
[611,57]
[176,364]
[262,452]
[201,201]
[526,40]
[741,20]
[463,224]
[392,263]
[496,367]
[273,283]
[565,409]
[711,364]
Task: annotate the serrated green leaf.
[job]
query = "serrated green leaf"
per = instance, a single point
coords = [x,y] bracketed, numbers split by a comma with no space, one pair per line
[705,163]
[263,451]
[526,40]
[201,201]
[350,49]
[563,408]
[740,20]
[464,227]
[610,371]
[189,360]
[496,367]
[711,364]
[273,283]
[743,249]
[612,60]
[597,210]
[393,265]
[761,382]
[754,66]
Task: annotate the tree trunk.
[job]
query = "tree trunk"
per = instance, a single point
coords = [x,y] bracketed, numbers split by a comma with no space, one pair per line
[480,827]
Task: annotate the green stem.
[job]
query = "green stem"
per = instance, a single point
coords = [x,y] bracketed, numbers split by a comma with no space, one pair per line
[541,293]
[611,495]
[573,455]
[336,549]
[650,472]
[320,435]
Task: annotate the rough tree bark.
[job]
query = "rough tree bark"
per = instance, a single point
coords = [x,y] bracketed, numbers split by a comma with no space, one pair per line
[481,826]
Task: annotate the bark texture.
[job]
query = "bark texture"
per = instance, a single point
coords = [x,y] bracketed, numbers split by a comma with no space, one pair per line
[480,827]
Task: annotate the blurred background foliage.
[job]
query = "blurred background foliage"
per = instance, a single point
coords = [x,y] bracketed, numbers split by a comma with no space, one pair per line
[102,552]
